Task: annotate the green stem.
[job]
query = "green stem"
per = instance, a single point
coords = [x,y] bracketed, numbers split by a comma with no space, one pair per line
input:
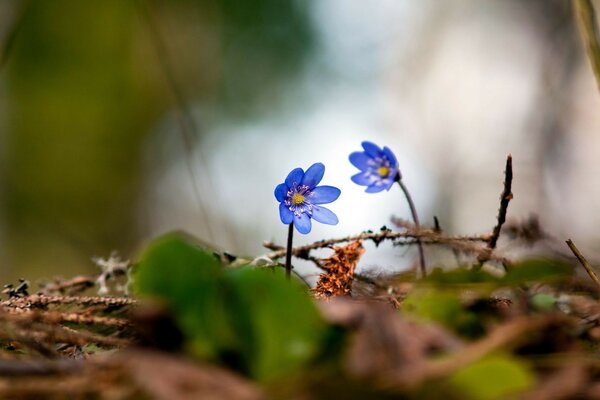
[288,254]
[415,217]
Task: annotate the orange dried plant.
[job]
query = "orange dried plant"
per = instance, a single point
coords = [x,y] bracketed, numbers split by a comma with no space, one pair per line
[337,280]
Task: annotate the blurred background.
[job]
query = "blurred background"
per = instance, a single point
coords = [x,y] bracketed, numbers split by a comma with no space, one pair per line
[123,119]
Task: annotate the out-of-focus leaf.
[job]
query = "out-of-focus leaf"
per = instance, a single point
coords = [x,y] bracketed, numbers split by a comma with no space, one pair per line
[443,307]
[460,276]
[255,319]
[494,377]
[279,326]
[538,270]
[543,302]
[175,270]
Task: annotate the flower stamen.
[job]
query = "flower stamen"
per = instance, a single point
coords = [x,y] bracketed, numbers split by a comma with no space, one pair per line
[383,171]
[297,199]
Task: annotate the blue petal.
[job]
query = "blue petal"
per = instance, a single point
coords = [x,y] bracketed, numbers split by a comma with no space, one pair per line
[391,178]
[313,175]
[285,214]
[281,191]
[376,187]
[371,149]
[324,194]
[360,160]
[389,182]
[294,177]
[363,178]
[390,156]
[324,215]
[302,223]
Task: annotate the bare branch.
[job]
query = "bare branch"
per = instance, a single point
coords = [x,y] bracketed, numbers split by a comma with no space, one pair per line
[588,267]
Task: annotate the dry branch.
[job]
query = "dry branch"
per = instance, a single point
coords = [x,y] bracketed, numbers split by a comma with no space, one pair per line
[38,300]
[427,236]
[505,198]
[588,267]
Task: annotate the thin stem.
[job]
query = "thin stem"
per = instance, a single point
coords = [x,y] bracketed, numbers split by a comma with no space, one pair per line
[586,18]
[415,217]
[588,267]
[505,198]
[288,254]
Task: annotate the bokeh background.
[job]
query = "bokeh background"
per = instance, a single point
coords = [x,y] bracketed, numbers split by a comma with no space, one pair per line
[122,119]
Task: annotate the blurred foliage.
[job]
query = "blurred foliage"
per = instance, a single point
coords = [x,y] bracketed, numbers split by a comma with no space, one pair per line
[494,377]
[530,270]
[538,270]
[254,318]
[440,297]
[445,308]
[87,81]
[265,43]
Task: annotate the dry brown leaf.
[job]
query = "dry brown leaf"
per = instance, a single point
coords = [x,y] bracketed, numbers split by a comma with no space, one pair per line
[164,376]
[339,275]
[383,341]
[565,383]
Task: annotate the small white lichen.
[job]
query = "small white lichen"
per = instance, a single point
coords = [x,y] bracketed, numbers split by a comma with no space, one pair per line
[112,267]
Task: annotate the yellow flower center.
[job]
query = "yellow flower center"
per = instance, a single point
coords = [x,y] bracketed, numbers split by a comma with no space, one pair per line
[383,171]
[298,199]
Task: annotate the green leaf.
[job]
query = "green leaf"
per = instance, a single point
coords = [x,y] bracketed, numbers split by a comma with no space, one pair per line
[443,307]
[543,302]
[494,377]
[538,270]
[253,319]
[175,270]
[280,327]
[459,276]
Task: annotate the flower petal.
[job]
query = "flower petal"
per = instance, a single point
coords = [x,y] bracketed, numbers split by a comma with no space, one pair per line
[302,223]
[391,178]
[390,156]
[281,191]
[324,215]
[285,214]
[371,149]
[376,187]
[388,183]
[324,194]
[360,160]
[294,177]
[313,175]
[363,178]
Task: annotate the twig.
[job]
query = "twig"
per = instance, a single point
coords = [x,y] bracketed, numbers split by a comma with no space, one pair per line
[427,236]
[588,267]
[436,224]
[40,333]
[415,217]
[37,300]
[505,198]
[55,317]
[478,251]
[586,19]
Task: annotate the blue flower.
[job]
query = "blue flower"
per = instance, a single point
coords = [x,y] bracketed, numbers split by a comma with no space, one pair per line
[378,167]
[299,198]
